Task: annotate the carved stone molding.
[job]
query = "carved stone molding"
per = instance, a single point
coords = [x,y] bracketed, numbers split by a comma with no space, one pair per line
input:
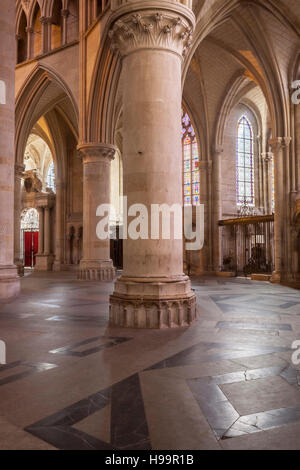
[279,143]
[267,157]
[152,314]
[93,152]
[153,29]
[152,303]
[94,270]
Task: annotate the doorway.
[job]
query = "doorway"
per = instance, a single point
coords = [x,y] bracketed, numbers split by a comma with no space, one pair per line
[29,236]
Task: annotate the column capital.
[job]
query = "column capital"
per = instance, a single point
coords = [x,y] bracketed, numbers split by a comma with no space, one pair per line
[267,156]
[65,13]
[279,143]
[218,150]
[46,19]
[29,29]
[156,24]
[93,152]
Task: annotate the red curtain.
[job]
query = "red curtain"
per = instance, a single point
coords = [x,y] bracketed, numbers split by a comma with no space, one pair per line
[31,242]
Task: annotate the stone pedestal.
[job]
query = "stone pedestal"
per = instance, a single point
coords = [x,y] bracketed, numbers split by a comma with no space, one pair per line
[153,292]
[96,264]
[44,263]
[9,279]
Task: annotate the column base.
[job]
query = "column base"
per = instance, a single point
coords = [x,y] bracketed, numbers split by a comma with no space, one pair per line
[152,303]
[276,277]
[9,282]
[56,266]
[93,270]
[44,263]
[20,267]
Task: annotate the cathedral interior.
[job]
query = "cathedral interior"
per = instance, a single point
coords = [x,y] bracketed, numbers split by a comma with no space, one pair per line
[139,343]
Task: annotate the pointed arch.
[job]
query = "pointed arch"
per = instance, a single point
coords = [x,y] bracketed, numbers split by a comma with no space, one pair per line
[30,107]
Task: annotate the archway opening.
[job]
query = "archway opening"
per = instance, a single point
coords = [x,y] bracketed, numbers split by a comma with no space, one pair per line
[29,236]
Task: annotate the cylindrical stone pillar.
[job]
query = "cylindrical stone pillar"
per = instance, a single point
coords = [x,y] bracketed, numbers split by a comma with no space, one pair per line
[9,279]
[96,263]
[47,238]
[278,145]
[19,171]
[41,231]
[217,209]
[29,31]
[153,291]
[59,237]
[267,181]
[64,14]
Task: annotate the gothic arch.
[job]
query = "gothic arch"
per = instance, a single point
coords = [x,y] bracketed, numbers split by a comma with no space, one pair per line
[36,85]
[102,115]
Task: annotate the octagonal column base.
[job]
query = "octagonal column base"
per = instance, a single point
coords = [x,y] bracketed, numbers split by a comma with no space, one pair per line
[152,305]
[276,277]
[90,270]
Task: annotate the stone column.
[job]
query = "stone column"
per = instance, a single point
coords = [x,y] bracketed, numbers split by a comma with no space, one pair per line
[64,14]
[59,236]
[278,146]
[153,291]
[41,230]
[29,31]
[19,171]
[9,279]
[217,209]
[46,34]
[267,181]
[47,237]
[96,263]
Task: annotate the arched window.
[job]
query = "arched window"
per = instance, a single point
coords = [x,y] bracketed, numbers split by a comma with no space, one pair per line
[22,39]
[50,182]
[245,163]
[37,31]
[191,173]
[56,26]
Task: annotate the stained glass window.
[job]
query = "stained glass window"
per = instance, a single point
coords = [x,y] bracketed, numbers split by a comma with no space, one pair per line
[245,163]
[51,177]
[191,172]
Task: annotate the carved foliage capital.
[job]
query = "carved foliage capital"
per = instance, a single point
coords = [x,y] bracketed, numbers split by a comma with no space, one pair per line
[152,29]
[94,152]
[279,143]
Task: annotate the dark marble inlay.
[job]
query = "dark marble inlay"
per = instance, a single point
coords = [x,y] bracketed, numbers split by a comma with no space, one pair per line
[195,354]
[263,421]
[254,326]
[128,425]
[70,350]
[223,417]
[33,368]
[289,305]
[100,321]
[246,310]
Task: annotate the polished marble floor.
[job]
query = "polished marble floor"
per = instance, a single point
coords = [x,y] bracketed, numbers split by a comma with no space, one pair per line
[227,382]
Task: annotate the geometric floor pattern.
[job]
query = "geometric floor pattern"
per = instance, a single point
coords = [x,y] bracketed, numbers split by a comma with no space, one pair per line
[227,382]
